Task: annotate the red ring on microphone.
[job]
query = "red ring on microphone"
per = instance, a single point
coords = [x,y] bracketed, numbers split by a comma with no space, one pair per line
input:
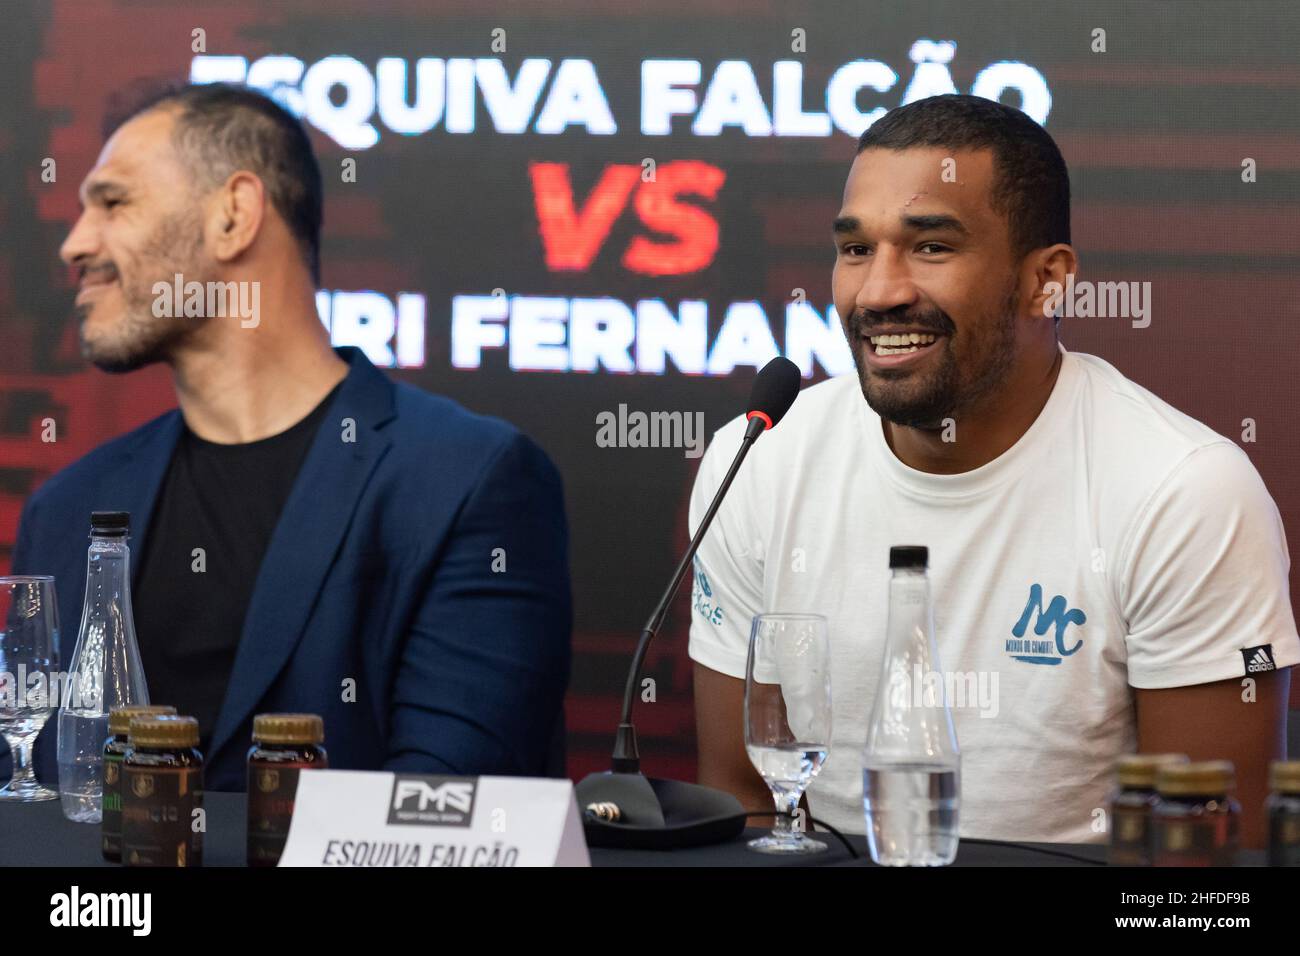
[763,415]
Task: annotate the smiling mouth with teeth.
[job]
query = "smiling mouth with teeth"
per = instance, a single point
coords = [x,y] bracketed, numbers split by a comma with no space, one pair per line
[901,344]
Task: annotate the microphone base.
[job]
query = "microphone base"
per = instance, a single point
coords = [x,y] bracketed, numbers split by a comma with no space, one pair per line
[658,814]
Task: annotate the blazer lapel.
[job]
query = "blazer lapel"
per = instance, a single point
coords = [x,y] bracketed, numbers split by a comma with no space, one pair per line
[302,548]
[132,485]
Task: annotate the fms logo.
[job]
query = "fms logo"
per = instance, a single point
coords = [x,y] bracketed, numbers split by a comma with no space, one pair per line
[424,800]
[1059,615]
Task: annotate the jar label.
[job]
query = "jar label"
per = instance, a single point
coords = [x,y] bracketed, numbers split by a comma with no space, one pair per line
[159,825]
[111,825]
[271,789]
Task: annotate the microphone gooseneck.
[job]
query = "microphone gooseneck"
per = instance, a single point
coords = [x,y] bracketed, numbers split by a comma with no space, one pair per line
[774,391]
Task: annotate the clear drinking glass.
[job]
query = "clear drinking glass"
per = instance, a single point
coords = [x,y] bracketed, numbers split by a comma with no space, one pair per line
[29,665]
[788,717]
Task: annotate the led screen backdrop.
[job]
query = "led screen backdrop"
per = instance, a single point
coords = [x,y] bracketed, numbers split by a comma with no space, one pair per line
[562,212]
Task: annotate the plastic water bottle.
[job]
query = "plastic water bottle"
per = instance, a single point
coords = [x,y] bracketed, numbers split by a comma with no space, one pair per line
[105,671]
[911,767]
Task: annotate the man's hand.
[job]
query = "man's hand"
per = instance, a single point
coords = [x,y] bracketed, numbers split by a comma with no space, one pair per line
[1220,721]
[720,734]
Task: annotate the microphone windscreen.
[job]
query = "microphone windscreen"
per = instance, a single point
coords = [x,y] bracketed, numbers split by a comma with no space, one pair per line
[775,390]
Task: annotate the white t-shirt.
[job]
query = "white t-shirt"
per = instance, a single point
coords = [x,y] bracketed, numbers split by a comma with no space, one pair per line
[1140,548]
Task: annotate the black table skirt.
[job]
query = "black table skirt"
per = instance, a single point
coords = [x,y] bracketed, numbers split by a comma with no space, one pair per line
[38,835]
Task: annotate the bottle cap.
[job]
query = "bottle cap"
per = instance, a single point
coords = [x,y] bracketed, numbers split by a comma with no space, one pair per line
[1139,770]
[909,556]
[164,730]
[110,523]
[1284,776]
[119,718]
[288,729]
[1207,778]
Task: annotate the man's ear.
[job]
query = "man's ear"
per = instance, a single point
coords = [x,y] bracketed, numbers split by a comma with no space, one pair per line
[236,216]
[1045,276]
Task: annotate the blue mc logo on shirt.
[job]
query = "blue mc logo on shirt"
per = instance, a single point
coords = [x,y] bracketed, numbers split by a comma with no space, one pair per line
[1058,615]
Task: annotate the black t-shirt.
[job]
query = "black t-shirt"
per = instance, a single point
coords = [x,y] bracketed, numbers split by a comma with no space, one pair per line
[190,608]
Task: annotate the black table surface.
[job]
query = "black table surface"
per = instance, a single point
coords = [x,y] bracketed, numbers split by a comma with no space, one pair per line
[37,834]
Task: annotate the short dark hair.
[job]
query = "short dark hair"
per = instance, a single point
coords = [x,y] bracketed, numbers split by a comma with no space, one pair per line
[1031,187]
[222,128]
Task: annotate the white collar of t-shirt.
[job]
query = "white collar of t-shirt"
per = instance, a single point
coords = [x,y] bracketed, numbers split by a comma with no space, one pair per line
[1006,467]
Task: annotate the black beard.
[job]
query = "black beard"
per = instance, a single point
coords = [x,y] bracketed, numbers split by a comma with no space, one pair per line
[941,395]
[926,410]
[151,340]
[141,338]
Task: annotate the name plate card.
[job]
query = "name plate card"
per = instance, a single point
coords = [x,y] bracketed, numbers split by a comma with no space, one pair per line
[364,818]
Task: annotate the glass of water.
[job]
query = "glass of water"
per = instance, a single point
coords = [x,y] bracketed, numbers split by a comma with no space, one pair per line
[29,664]
[788,717]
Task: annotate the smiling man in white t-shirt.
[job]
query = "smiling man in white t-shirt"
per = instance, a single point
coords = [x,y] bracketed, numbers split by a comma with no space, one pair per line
[1108,574]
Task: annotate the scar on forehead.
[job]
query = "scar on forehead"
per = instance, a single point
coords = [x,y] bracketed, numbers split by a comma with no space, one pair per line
[915,197]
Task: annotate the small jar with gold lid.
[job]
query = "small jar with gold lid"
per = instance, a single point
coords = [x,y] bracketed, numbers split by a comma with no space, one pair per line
[162,792]
[283,745]
[1197,820]
[1283,807]
[115,748]
[1131,807]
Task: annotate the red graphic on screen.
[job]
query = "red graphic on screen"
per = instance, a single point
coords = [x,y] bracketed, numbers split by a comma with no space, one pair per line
[572,238]
[696,231]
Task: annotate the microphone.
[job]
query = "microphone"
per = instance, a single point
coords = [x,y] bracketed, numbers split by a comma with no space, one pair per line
[622,807]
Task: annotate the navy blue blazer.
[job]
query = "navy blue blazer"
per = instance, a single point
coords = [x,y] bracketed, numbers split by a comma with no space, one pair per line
[378,578]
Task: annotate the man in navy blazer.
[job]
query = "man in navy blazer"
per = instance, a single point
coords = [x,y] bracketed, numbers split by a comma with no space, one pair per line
[412,586]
